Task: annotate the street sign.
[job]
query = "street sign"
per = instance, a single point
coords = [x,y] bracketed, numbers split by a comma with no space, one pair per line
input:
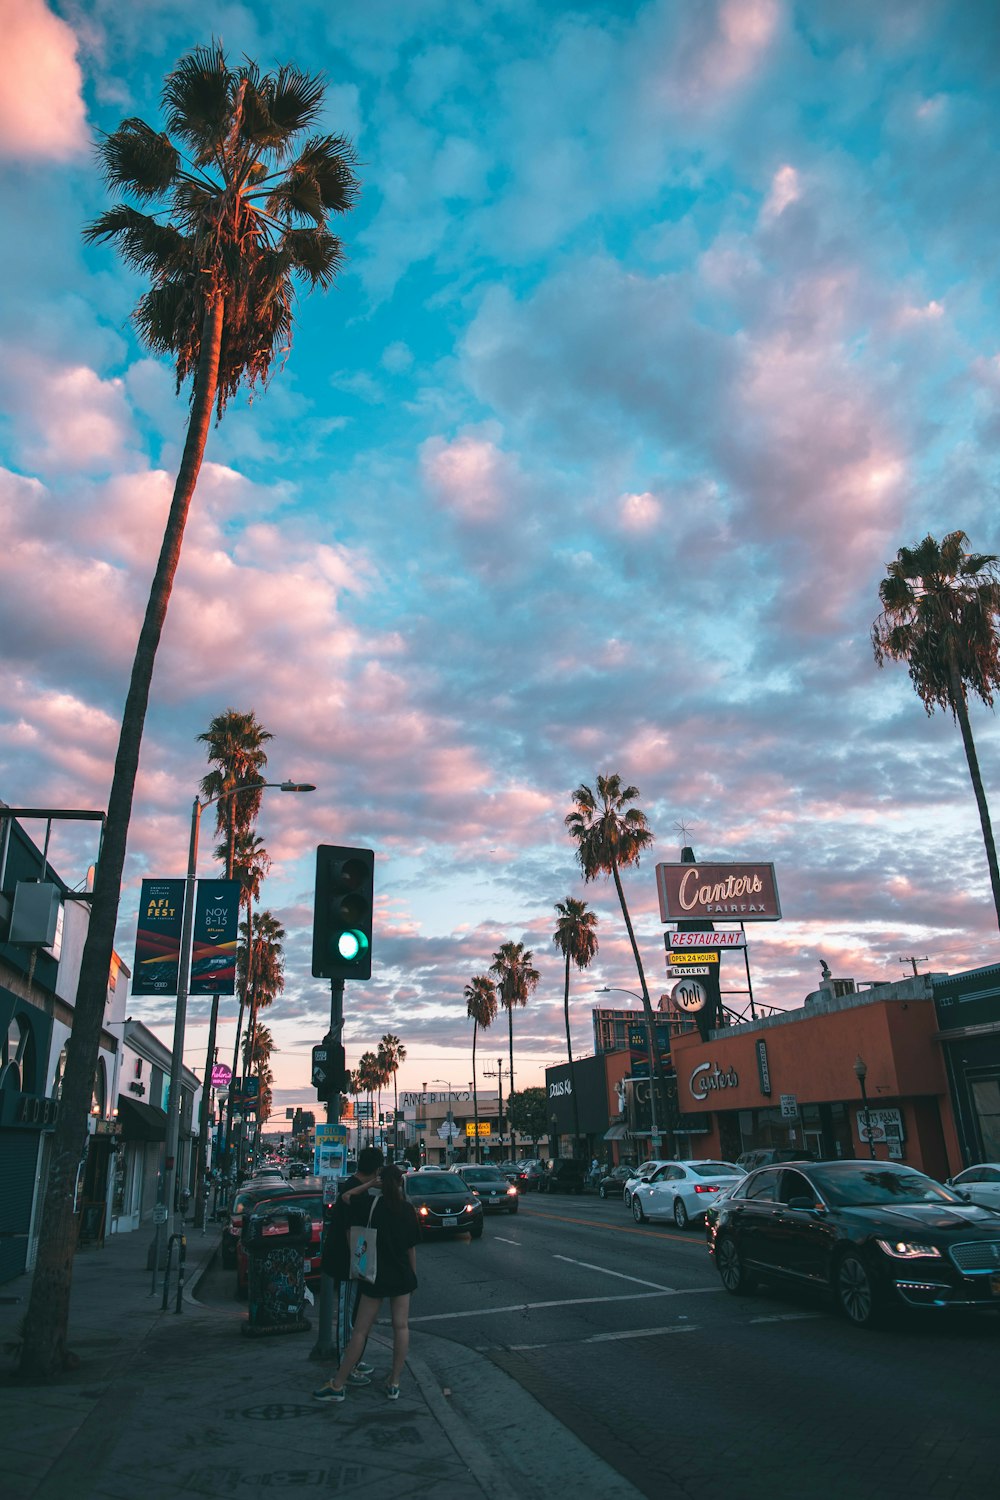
[789,1107]
[160,1213]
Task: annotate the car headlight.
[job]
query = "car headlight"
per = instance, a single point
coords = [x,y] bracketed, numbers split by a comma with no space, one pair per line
[512,1192]
[908,1250]
[423,1211]
[470,1208]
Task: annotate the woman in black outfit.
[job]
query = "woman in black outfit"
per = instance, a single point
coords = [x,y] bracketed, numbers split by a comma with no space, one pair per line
[397,1232]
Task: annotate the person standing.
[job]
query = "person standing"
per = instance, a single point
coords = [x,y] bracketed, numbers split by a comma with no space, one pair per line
[397,1232]
[352,1207]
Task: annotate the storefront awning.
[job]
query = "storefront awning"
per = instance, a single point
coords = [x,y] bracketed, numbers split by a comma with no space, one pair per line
[141,1122]
[616,1133]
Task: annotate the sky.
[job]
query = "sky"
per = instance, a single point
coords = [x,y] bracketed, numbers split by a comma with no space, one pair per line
[662,327]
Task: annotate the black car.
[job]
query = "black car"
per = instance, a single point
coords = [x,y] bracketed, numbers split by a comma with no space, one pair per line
[563,1175]
[443,1203]
[613,1183]
[872,1233]
[490,1186]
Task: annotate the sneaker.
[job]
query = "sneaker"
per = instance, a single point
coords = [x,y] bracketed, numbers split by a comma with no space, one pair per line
[362,1369]
[329,1392]
[358,1377]
[392,1392]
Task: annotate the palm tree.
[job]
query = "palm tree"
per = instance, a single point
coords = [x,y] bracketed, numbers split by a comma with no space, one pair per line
[515,981]
[246,210]
[610,836]
[260,970]
[392,1052]
[576,938]
[481,1008]
[939,614]
[370,1077]
[236,751]
[251,863]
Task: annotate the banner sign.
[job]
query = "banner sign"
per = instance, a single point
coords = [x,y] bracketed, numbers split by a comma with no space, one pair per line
[213,952]
[763,1071]
[692,958]
[221,1076]
[717,893]
[158,937]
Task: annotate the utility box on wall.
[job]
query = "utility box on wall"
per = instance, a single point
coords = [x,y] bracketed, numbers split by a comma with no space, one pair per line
[35,918]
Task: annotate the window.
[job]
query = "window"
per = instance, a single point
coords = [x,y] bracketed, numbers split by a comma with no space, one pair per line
[974,1174]
[794,1185]
[763,1188]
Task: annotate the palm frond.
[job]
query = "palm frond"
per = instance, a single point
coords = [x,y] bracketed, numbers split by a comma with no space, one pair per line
[316,254]
[145,244]
[197,99]
[137,159]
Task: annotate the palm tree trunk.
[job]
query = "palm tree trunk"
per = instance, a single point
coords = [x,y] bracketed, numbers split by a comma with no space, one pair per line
[962,712]
[395,1113]
[657,1079]
[46,1323]
[475,1086]
[572,1075]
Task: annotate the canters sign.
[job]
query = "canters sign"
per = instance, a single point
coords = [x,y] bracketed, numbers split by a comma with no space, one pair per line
[717,893]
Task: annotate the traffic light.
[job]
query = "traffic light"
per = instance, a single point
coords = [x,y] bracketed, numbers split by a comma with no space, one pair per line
[342,918]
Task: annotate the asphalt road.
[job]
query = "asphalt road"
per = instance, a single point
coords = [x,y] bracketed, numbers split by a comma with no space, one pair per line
[623,1333]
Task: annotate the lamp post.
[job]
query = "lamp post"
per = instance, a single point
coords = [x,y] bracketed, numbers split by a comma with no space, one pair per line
[184,978]
[616,989]
[861,1073]
[450,1121]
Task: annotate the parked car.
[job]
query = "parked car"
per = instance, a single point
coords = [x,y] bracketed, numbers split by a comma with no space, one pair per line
[443,1203]
[870,1234]
[767,1156]
[613,1183]
[563,1175]
[531,1172]
[642,1173]
[490,1186]
[979,1184]
[308,1198]
[251,1192]
[682,1190]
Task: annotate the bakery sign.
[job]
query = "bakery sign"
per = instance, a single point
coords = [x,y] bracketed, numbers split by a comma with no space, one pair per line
[718,893]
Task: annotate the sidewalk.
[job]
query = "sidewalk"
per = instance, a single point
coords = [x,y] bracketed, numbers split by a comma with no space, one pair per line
[171,1405]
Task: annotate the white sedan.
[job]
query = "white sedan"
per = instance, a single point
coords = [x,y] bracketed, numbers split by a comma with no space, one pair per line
[643,1173]
[979,1184]
[683,1190]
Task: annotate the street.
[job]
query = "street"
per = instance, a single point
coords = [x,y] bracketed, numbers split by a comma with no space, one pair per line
[624,1334]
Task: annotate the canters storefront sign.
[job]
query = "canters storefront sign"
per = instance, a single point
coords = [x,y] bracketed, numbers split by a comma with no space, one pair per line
[720,893]
[708,1076]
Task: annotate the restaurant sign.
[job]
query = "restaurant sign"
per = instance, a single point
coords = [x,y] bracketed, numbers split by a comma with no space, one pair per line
[718,893]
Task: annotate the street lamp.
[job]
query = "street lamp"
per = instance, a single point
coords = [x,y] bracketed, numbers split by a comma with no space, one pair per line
[184,977]
[861,1073]
[608,989]
[450,1121]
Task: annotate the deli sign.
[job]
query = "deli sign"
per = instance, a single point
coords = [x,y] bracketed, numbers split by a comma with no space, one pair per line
[718,893]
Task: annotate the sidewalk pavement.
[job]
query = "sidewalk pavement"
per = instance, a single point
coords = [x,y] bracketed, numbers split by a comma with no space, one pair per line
[171,1405]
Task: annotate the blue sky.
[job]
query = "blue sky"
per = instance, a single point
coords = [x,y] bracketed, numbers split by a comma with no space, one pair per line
[663,326]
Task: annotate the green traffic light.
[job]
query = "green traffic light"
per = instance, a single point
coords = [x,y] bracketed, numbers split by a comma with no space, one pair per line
[348,946]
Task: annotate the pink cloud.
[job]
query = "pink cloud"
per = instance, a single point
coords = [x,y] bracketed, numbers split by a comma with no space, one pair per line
[42,113]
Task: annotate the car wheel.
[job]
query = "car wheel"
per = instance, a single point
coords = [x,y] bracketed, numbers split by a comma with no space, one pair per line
[735,1276]
[638,1213]
[855,1291]
[477,1231]
[602,1191]
[626,1198]
[680,1214]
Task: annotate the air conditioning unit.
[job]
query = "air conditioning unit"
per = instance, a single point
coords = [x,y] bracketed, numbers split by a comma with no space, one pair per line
[35,919]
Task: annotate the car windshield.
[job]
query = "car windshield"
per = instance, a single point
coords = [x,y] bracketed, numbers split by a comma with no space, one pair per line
[716,1169]
[431,1183]
[483,1174]
[878,1185]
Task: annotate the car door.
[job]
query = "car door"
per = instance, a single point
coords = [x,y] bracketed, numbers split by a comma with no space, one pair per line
[980,1185]
[800,1237]
[750,1216]
[657,1195]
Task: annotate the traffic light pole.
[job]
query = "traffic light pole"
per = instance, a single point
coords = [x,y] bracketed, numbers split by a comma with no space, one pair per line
[325,1346]
[333,1039]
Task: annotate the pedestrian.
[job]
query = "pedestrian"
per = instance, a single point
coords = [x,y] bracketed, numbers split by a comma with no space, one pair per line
[396,1234]
[351,1207]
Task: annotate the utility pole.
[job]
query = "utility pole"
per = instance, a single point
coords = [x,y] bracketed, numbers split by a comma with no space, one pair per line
[498,1075]
[914,961]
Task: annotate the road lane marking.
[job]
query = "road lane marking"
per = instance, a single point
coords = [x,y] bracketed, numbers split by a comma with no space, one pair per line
[649,1234]
[520,1307]
[640,1333]
[501,1241]
[799,1317]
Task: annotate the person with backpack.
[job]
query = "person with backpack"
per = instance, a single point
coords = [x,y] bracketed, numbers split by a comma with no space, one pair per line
[394,1223]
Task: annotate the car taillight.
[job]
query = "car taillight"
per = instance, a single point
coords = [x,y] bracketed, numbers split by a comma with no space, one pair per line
[706,1187]
[317,1226]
